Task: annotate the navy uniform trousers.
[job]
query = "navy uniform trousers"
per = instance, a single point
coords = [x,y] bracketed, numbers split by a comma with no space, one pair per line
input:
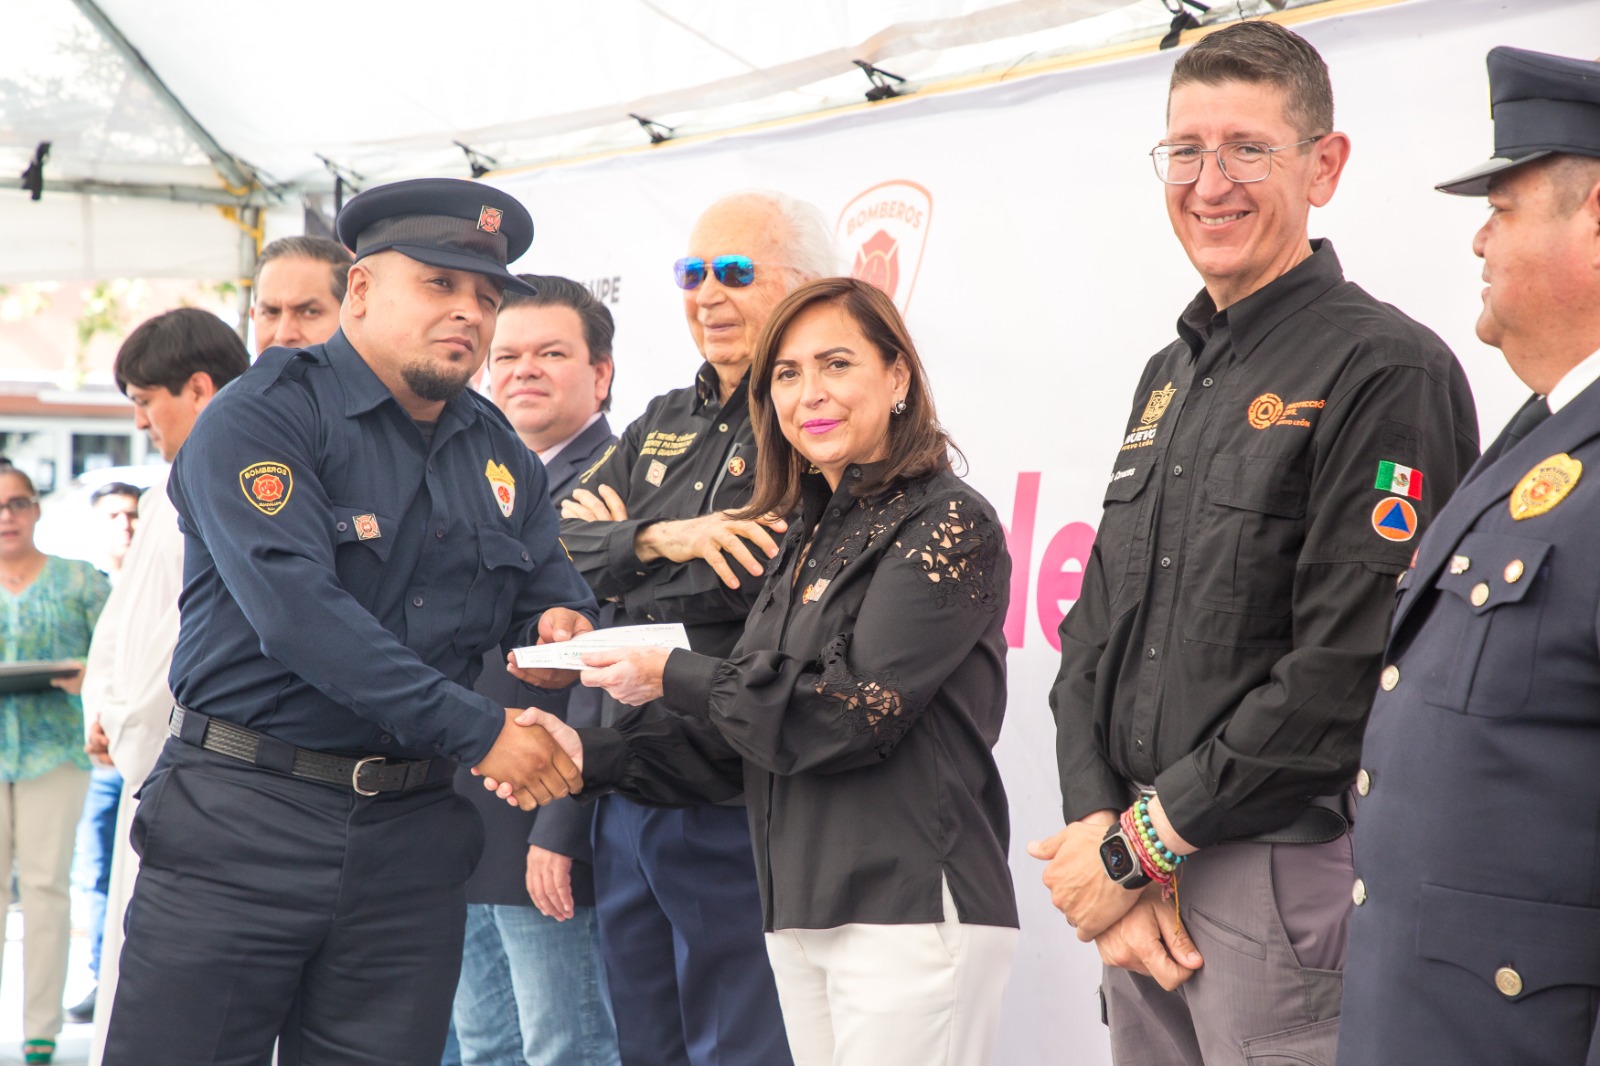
[679,914]
[252,884]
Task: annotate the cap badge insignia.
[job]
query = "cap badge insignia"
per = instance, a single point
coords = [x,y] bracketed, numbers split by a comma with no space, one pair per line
[267,486]
[503,485]
[1545,486]
[489,219]
[367,527]
[1394,519]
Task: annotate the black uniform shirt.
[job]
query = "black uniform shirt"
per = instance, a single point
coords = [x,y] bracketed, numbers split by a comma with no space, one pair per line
[1226,644]
[858,711]
[342,579]
[686,456]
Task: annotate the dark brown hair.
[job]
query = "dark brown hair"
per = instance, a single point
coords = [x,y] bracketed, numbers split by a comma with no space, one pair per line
[1264,52]
[317,249]
[554,291]
[917,443]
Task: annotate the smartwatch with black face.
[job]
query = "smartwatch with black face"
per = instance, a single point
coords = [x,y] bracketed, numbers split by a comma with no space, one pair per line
[1120,859]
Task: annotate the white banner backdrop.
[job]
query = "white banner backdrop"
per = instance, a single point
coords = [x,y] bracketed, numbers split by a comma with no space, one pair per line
[1024,233]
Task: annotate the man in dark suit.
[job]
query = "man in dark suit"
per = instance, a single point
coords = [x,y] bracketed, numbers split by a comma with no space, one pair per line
[1476,935]
[532,984]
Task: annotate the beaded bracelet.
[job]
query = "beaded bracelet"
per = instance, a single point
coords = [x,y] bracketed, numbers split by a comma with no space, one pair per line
[1158,861]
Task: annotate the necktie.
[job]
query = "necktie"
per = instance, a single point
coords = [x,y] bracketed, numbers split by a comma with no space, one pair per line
[1533,412]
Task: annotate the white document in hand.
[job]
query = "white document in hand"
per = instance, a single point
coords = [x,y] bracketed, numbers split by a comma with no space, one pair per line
[569,655]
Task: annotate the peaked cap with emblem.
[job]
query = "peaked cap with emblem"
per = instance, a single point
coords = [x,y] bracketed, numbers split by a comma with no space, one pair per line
[1542,105]
[444,222]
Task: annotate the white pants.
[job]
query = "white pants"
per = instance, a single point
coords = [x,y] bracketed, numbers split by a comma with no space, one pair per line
[886,995]
[38,824]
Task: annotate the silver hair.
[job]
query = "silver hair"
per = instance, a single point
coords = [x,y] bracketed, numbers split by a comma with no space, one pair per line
[811,247]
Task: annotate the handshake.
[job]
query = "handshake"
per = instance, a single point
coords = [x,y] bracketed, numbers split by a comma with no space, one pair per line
[538,758]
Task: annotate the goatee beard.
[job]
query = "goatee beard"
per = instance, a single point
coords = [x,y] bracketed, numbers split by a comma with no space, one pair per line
[434,384]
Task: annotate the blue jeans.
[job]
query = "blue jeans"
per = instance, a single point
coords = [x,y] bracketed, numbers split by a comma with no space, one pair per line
[532,990]
[97,835]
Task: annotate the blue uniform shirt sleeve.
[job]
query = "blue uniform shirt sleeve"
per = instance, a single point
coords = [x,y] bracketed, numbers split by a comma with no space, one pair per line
[272,546]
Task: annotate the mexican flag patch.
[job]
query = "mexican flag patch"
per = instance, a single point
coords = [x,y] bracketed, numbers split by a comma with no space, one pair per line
[1400,480]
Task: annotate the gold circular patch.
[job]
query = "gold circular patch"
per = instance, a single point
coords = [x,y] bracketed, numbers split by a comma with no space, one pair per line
[1265,410]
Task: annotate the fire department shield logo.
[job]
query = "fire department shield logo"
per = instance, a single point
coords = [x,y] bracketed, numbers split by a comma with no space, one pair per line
[489,219]
[503,485]
[884,232]
[267,486]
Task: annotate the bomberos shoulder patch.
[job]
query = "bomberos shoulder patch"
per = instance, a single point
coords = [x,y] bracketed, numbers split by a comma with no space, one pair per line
[267,486]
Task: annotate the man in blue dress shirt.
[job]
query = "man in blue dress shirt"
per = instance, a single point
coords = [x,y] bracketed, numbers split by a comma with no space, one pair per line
[359,529]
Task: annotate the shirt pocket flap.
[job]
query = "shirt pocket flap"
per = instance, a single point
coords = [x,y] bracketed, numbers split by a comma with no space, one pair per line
[1547,944]
[1127,482]
[497,549]
[1259,483]
[1505,566]
[355,524]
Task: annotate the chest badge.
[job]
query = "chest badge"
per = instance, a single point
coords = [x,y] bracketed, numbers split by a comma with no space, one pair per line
[736,466]
[1545,486]
[655,472]
[1394,519]
[503,485]
[1159,399]
[367,527]
[267,486]
[815,590]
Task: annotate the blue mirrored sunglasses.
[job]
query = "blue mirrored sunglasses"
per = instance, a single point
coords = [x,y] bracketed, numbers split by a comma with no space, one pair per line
[734,271]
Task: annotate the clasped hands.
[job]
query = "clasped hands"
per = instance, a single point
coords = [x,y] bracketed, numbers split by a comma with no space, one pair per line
[1133,929]
[537,759]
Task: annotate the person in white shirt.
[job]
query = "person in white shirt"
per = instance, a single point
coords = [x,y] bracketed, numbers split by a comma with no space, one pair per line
[170,367]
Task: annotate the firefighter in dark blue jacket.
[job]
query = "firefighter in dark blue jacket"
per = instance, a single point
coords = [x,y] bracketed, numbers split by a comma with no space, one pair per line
[360,527]
[1476,932]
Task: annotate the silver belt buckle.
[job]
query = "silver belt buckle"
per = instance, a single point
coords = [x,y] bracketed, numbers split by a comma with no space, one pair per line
[355,775]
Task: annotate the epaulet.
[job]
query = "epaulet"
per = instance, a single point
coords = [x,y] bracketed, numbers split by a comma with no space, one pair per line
[284,364]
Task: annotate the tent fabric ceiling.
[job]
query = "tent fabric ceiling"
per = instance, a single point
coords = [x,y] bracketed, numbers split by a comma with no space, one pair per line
[384,88]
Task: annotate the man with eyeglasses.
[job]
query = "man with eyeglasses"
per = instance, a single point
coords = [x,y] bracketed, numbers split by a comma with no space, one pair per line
[649,528]
[1279,459]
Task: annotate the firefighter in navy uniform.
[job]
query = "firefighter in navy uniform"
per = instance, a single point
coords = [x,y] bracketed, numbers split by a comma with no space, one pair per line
[359,529]
[1476,932]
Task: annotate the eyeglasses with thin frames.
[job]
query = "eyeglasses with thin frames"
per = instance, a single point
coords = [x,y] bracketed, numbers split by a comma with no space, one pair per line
[19,505]
[1241,162]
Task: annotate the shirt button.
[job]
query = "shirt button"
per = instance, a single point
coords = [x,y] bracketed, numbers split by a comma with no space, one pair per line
[1150,653]
[1480,594]
[1139,745]
[416,601]
[439,534]
[1177,471]
[341,527]
[723,428]
[1166,561]
[1205,383]
[836,512]
[1514,571]
[524,556]
[1358,892]
[811,562]
[1389,678]
[386,739]
[1363,782]
[698,485]
[1508,981]
[855,472]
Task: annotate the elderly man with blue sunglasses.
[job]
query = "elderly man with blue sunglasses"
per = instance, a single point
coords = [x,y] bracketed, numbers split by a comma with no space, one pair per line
[649,528]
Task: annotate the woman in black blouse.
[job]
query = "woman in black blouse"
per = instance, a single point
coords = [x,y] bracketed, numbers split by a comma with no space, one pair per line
[859,711]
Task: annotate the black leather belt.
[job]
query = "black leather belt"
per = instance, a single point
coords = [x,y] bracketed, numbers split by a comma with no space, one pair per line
[369,776]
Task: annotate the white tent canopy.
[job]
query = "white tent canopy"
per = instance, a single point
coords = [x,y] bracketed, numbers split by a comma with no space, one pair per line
[157,113]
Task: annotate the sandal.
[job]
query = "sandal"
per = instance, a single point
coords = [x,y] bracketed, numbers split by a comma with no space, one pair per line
[38,1052]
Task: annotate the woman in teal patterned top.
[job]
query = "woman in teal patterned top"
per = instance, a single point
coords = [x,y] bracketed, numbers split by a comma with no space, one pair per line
[48,608]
